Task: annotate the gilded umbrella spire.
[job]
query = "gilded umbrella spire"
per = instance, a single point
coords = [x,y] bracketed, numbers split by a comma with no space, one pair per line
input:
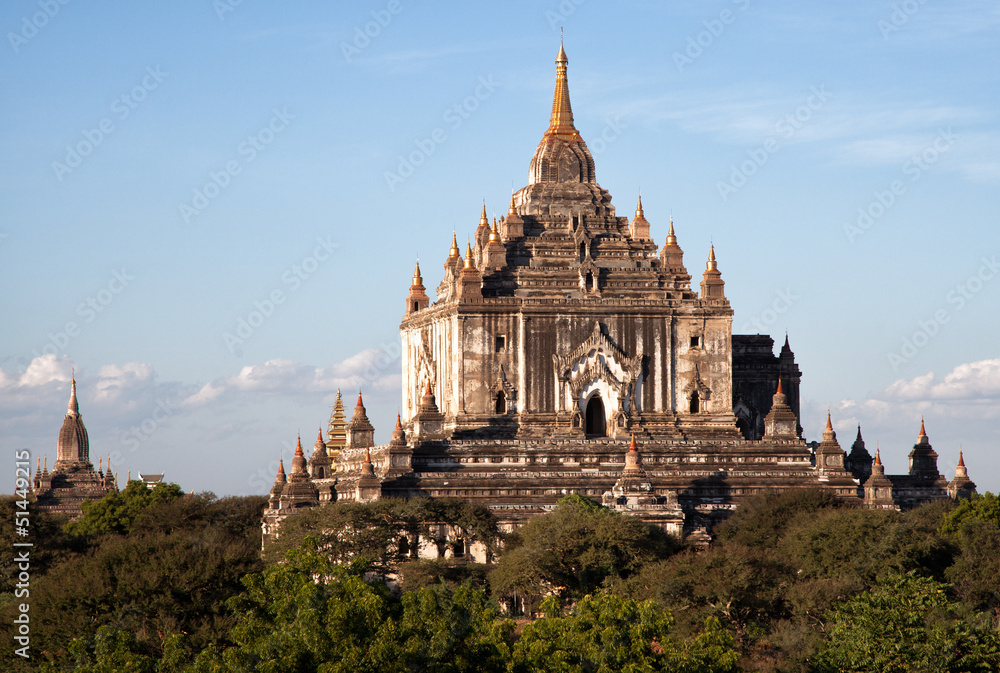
[561,121]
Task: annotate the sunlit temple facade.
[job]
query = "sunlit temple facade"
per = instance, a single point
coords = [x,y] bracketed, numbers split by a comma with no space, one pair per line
[566,351]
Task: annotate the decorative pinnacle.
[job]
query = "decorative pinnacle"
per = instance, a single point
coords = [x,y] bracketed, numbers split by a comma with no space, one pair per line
[281,467]
[923,433]
[319,437]
[561,120]
[878,457]
[631,446]
[417,278]
[298,448]
[671,239]
[73,407]
[454,252]
[399,422]
[483,221]
[712,265]
[829,425]
[510,210]
[779,391]
[468,250]
[368,455]
[961,459]
[638,209]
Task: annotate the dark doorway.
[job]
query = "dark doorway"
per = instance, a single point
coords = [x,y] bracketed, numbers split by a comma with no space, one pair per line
[501,407]
[694,402]
[596,424]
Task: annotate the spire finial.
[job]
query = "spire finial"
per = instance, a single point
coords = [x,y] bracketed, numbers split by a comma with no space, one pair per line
[829,425]
[779,391]
[468,253]
[399,422]
[561,119]
[671,238]
[298,447]
[638,208]
[416,272]
[73,407]
[712,265]
[878,456]
[454,252]
[360,403]
[483,221]
[923,433]
[961,459]
[510,209]
[632,446]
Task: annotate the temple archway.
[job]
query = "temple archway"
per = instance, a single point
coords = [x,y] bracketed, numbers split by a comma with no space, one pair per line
[596,423]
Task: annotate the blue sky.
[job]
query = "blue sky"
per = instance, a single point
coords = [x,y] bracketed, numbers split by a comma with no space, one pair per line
[173,169]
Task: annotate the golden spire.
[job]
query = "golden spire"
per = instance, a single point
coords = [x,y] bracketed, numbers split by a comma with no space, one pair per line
[483,220]
[319,437]
[510,209]
[829,425]
[961,459]
[638,208]
[779,391]
[454,252]
[878,457]
[671,239]
[468,252]
[494,232]
[923,434]
[298,448]
[712,265]
[399,422]
[631,446]
[417,278]
[561,120]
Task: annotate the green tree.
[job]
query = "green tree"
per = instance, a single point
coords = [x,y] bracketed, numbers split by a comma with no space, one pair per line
[609,634]
[380,532]
[172,575]
[905,623]
[310,614]
[985,507]
[575,548]
[115,513]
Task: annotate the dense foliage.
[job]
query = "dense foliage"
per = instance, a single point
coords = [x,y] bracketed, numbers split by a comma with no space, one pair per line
[174,583]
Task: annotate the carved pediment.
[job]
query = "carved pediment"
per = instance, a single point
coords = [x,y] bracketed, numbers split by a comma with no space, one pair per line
[598,358]
[704,392]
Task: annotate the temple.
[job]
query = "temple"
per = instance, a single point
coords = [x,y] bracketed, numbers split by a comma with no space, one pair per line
[73,478]
[567,352]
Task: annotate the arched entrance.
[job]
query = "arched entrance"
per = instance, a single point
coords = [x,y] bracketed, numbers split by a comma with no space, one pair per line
[596,424]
